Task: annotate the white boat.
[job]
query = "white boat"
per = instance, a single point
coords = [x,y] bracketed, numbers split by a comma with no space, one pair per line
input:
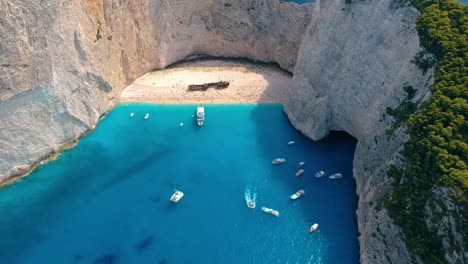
[132,114]
[200,115]
[250,196]
[181,124]
[177,196]
[278,160]
[270,211]
[320,174]
[297,194]
[146,116]
[302,163]
[335,176]
[313,228]
[291,143]
[299,172]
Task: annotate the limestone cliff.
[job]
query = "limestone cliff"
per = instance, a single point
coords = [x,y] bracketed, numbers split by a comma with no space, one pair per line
[64,63]
[345,78]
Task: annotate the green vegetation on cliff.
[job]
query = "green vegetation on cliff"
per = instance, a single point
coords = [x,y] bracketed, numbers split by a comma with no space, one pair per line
[437,152]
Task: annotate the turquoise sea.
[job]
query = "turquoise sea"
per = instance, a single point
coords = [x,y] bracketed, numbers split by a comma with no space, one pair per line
[106,201]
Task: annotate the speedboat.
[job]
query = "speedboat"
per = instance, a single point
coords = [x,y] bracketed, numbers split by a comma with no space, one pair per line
[335,176]
[297,194]
[177,196]
[132,114]
[181,124]
[291,143]
[146,116]
[200,115]
[299,172]
[250,197]
[320,174]
[278,161]
[270,211]
[313,228]
[302,163]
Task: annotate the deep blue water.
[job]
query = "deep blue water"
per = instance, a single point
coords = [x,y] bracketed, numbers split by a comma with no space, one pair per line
[107,199]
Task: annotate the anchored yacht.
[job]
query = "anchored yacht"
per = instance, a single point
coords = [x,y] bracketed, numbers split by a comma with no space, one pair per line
[200,115]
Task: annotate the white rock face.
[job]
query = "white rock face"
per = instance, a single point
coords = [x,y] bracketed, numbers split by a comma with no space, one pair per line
[63,64]
[353,64]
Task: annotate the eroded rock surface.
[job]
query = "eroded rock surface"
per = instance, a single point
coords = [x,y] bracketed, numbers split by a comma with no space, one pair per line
[345,78]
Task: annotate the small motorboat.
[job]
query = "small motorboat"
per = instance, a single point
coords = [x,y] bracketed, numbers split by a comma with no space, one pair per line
[181,124]
[270,211]
[313,228]
[299,172]
[297,194]
[251,204]
[177,196]
[302,163]
[278,161]
[132,114]
[291,143]
[200,115]
[146,116]
[320,174]
[335,176]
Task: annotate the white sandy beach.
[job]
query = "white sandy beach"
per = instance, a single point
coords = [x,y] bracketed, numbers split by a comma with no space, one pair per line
[249,83]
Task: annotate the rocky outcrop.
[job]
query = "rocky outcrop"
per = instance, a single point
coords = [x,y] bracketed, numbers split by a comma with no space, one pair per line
[345,78]
[63,64]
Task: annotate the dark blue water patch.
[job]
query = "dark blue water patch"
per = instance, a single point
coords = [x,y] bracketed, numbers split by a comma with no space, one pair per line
[106,259]
[299,1]
[107,199]
[145,243]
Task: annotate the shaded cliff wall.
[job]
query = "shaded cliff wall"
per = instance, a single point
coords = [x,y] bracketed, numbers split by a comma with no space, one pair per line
[64,63]
[353,64]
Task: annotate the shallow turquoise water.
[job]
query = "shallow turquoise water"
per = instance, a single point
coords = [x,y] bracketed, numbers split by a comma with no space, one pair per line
[107,199]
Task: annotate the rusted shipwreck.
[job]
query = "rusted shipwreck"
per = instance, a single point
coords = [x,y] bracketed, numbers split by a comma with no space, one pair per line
[205,86]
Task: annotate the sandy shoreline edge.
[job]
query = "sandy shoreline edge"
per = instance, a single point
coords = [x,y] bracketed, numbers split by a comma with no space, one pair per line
[249,83]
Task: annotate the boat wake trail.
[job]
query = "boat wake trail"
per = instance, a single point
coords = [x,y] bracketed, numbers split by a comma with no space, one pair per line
[250,197]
